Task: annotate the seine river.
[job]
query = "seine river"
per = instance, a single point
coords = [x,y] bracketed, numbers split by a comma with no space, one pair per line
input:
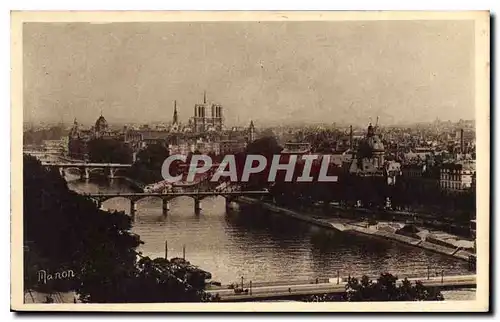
[262,247]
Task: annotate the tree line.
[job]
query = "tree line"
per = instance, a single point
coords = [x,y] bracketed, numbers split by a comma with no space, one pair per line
[384,289]
[37,137]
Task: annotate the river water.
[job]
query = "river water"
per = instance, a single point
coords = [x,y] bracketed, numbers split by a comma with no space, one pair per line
[263,247]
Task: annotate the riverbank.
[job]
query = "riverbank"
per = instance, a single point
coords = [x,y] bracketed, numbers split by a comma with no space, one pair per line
[435,241]
[428,220]
[134,184]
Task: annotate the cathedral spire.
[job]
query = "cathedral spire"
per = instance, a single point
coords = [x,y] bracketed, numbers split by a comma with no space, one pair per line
[251,132]
[176,118]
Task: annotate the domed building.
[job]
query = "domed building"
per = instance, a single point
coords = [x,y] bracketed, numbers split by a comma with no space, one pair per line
[372,147]
[80,137]
[101,127]
[371,179]
[370,155]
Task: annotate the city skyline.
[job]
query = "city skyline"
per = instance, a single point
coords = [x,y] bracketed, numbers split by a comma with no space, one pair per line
[361,125]
[271,72]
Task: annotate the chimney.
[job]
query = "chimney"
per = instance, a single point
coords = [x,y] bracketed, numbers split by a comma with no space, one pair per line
[462,141]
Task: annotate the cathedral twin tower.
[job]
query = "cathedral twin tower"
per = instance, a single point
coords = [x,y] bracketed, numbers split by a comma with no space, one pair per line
[201,122]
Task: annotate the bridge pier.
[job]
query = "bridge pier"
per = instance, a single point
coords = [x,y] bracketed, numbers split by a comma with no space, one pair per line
[62,172]
[197,205]
[165,206]
[111,173]
[84,173]
[133,208]
[228,203]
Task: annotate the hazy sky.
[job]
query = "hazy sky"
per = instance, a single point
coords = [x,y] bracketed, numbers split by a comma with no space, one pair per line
[271,72]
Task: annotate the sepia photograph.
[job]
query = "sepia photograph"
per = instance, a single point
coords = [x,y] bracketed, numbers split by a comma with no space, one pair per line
[236,161]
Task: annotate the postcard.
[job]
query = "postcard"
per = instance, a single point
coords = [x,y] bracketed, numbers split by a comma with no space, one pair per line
[250,161]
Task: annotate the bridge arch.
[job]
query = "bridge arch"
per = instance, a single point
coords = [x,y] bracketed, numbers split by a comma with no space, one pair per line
[186,196]
[103,199]
[79,170]
[97,170]
[214,196]
[152,197]
[129,207]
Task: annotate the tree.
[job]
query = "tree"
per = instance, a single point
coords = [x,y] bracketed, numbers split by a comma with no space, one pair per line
[155,281]
[384,289]
[161,280]
[66,231]
[70,232]
[148,164]
[109,151]
[37,137]
[265,146]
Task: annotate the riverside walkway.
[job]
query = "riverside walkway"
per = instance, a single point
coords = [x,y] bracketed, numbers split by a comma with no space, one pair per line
[295,291]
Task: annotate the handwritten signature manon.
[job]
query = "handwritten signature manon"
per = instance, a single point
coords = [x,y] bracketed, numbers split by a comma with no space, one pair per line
[44,276]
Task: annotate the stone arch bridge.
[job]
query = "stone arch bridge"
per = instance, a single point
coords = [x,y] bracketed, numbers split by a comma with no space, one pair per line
[198,196]
[86,169]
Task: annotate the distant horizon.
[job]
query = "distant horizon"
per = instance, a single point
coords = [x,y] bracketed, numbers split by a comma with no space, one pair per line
[291,124]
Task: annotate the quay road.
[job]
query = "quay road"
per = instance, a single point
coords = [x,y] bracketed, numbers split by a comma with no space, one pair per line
[283,292]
